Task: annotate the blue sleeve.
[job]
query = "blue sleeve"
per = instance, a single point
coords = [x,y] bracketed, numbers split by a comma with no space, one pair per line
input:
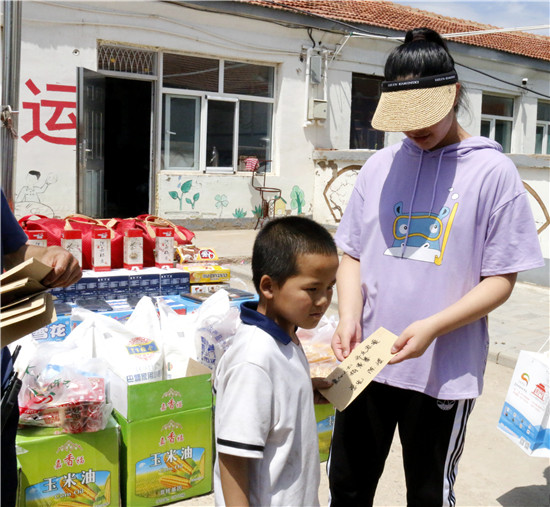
[13,236]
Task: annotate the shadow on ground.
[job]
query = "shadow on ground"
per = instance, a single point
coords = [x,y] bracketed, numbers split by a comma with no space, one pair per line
[537,495]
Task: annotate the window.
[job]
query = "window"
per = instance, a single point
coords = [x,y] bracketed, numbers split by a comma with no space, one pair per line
[180,138]
[122,59]
[497,119]
[365,92]
[216,113]
[542,137]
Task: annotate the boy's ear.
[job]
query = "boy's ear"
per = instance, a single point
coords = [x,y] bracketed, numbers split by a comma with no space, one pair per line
[266,287]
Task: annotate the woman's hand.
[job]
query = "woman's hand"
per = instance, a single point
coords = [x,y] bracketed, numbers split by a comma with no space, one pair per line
[346,337]
[413,341]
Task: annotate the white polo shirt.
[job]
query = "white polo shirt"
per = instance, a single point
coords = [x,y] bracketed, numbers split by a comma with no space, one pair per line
[264,411]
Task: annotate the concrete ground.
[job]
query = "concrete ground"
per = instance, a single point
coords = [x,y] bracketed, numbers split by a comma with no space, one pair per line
[493,471]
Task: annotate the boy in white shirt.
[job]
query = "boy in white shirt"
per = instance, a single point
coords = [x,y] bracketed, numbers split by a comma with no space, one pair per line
[266,435]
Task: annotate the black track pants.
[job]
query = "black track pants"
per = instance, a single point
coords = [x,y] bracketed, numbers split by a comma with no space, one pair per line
[432,436]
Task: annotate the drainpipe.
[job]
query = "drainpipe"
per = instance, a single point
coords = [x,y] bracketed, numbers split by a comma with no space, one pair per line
[11,57]
[307,121]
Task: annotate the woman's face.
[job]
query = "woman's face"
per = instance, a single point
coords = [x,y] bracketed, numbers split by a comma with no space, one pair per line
[445,132]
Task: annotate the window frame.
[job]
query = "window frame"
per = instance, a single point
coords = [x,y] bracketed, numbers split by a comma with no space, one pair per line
[205,96]
[494,118]
[165,115]
[374,78]
[545,124]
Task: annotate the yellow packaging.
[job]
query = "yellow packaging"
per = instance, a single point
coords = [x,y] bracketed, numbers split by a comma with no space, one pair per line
[206,273]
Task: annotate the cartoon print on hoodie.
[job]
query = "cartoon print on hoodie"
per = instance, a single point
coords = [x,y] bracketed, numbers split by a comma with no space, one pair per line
[421,236]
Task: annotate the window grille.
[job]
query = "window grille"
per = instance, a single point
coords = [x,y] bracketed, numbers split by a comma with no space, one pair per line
[121,59]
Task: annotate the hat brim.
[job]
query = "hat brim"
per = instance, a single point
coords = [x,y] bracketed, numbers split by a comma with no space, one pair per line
[406,110]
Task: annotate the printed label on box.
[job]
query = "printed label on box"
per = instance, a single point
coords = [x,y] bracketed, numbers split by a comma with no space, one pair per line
[62,470]
[170,471]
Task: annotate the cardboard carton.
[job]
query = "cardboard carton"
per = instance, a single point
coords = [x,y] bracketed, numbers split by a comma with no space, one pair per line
[166,445]
[206,273]
[324,415]
[68,469]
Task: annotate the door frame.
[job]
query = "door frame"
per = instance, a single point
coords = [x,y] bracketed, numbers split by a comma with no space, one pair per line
[153,148]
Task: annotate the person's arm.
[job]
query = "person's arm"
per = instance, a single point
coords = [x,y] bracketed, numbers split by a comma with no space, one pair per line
[489,294]
[66,270]
[350,307]
[234,479]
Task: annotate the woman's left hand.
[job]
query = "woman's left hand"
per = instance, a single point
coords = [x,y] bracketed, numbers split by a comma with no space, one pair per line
[413,341]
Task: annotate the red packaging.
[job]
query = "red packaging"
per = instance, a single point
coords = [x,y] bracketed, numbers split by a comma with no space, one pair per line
[71,240]
[37,238]
[101,250]
[133,249]
[164,247]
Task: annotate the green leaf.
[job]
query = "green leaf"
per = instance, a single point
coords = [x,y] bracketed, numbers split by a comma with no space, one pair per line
[189,201]
[185,187]
[196,197]
[173,194]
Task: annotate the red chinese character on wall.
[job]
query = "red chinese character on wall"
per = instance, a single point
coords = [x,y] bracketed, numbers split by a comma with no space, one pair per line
[54,123]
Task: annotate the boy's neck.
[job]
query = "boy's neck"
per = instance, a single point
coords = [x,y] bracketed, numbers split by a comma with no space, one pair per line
[265,309]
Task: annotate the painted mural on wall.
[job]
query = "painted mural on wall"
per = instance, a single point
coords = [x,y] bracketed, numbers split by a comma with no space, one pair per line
[187,194]
[298,199]
[338,190]
[47,120]
[185,188]
[28,197]
[543,208]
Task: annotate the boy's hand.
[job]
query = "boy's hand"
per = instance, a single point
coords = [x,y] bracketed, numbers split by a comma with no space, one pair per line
[346,337]
[413,341]
[319,383]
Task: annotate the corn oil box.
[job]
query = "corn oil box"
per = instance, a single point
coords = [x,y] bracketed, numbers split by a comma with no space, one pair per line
[166,444]
[62,469]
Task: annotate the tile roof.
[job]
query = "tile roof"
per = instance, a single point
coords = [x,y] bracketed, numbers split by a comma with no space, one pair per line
[386,14]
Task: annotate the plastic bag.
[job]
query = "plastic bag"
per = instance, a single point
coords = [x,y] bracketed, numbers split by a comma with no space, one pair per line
[132,350]
[178,343]
[215,326]
[316,344]
[525,417]
[64,387]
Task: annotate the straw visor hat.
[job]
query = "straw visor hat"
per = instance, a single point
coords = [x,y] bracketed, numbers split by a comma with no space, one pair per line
[415,103]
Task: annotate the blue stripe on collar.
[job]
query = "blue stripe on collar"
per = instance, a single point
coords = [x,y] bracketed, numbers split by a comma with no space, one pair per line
[250,315]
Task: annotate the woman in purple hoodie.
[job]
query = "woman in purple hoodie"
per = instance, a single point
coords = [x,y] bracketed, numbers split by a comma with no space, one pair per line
[433,236]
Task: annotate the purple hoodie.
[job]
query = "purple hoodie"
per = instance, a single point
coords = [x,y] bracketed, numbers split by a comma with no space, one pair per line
[426,226]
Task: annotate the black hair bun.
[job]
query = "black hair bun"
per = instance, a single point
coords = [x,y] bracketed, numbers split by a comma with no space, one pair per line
[425,34]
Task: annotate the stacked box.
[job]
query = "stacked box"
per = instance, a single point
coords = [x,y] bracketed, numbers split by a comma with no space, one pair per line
[324,415]
[145,282]
[120,283]
[86,287]
[68,469]
[206,273]
[166,446]
[173,281]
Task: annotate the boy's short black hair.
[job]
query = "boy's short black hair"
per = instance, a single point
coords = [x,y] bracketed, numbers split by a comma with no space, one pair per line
[281,241]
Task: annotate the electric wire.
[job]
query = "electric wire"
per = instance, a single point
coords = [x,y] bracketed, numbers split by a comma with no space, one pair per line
[502,80]
[356,32]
